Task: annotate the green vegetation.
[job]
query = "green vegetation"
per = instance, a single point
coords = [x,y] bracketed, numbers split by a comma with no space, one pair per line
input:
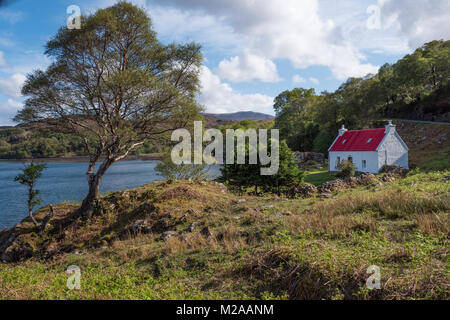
[115,82]
[346,169]
[415,86]
[31,173]
[318,177]
[224,246]
[243,176]
[171,171]
[19,143]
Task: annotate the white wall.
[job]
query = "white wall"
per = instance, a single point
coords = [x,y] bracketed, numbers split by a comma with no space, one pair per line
[371,158]
[392,151]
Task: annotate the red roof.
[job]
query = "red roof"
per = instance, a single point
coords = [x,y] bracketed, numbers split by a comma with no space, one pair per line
[359,140]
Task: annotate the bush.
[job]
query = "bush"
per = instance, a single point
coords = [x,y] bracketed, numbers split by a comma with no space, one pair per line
[346,169]
[171,171]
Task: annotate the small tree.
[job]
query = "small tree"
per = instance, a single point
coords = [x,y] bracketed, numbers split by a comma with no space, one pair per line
[346,169]
[288,171]
[30,175]
[171,171]
[249,175]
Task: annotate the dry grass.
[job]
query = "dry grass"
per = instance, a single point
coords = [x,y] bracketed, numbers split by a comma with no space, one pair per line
[255,248]
[182,191]
[389,204]
[433,224]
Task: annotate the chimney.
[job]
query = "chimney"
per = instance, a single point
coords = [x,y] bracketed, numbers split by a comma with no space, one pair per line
[342,130]
[390,127]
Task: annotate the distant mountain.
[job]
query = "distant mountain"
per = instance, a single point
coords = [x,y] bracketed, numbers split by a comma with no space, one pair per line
[243,115]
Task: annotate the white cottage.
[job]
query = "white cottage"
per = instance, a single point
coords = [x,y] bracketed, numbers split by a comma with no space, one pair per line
[369,150]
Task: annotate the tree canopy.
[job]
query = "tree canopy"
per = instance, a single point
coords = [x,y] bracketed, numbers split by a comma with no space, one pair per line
[114,81]
[407,89]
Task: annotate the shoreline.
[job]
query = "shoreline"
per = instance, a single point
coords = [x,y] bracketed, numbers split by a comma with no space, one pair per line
[142,157]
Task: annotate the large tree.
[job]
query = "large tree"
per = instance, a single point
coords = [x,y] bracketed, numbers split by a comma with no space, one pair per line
[114,81]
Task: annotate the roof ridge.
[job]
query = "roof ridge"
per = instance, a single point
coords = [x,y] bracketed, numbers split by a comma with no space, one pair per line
[365,129]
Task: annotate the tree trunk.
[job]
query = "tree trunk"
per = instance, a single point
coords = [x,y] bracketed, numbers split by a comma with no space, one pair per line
[94,181]
[47,219]
[30,213]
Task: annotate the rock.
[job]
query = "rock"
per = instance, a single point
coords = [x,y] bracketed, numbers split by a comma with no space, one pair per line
[282,214]
[267,207]
[333,185]
[394,170]
[388,177]
[167,235]
[17,252]
[325,195]
[206,232]
[192,211]
[367,179]
[309,156]
[239,201]
[304,190]
[191,227]
[140,227]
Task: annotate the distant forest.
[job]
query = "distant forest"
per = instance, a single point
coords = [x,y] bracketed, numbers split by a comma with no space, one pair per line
[26,143]
[416,87]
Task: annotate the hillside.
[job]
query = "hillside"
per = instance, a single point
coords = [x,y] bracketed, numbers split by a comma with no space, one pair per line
[243,115]
[429,144]
[196,240]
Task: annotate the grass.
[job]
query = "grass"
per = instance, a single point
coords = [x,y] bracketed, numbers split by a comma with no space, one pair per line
[255,247]
[318,177]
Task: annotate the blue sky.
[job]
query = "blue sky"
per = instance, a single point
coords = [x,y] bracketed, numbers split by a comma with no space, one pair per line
[254,49]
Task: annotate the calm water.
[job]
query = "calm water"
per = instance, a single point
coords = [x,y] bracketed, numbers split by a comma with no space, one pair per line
[66,181]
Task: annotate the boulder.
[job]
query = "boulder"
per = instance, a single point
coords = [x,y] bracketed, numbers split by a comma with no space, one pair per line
[305,190]
[367,179]
[167,235]
[140,227]
[394,170]
[191,227]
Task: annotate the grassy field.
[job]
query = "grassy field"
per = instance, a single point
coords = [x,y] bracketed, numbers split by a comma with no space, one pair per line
[225,246]
[318,177]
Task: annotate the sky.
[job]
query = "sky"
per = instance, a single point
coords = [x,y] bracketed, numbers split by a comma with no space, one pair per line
[253,49]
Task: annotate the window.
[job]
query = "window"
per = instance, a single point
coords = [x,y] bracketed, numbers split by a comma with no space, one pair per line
[364,164]
[345,140]
[338,160]
[370,140]
[350,158]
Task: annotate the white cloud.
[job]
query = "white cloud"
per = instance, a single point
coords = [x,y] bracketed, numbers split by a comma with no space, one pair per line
[10,16]
[2,59]
[219,97]
[314,80]
[10,106]
[419,21]
[8,110]
[298,79]
[293,31]
[248,67]
[11,87]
